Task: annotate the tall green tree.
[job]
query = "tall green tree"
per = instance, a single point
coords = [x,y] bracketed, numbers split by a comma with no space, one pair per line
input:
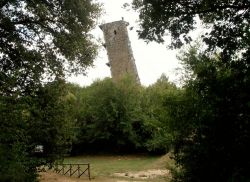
[212,117]
[156,100]
[227,19]
[15,162]
[50,111]
[123,116]
[110,115]
[41,120]
[40,40]
[211,122]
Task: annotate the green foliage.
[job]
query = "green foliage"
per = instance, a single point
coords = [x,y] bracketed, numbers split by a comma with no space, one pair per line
[15,162]
[157,99]
[109,112]
[49,112]
[211,118]
[123,116]
[40,40]
[212,122]
[30,121]
[44,37]
[228,21]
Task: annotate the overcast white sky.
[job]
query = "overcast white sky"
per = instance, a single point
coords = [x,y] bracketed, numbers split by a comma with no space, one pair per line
[151,59]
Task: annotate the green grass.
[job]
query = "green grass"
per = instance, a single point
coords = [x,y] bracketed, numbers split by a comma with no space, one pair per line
[104,166]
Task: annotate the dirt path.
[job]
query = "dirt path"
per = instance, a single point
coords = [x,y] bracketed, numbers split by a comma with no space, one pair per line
[54,177]
[148,175]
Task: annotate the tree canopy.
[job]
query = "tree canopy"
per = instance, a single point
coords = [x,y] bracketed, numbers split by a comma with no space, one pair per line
[228,22]
[40,42]
[44,39]
[122,116]
[210,119]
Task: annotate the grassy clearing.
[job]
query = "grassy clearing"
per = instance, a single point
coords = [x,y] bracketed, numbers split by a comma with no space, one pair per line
[104,166]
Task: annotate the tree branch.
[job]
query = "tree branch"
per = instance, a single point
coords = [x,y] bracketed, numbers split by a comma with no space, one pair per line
[3,3]
[218,8]
[38,22]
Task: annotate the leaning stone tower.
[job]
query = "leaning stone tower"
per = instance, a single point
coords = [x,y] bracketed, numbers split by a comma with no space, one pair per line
[117,44]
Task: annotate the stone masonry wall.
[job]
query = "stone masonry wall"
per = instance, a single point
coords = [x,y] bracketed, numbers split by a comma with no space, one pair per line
[119,50]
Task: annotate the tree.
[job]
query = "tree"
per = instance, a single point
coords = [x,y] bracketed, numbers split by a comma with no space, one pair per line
[211,124]
[157,98]
[110,116]
[44,39]
[31,121]
[50,111]
[179,17]
[123,116]
[40,41]
[15,162]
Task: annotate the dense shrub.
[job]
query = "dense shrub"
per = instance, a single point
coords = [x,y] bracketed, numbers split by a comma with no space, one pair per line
[123,116]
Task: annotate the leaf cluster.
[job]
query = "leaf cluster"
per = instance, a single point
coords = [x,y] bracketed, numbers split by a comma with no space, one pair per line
[228,22]
[44,39]
[212,121]
[123,116]
[31,121]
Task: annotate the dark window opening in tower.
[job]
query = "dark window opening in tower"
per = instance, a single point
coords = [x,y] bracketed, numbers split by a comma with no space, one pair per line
[115,32]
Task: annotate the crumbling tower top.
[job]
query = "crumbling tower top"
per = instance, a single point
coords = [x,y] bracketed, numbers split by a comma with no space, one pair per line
[117,43]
